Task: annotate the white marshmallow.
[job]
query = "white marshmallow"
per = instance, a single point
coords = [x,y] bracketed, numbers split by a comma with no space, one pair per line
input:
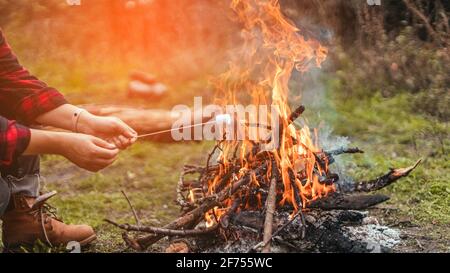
[225,118]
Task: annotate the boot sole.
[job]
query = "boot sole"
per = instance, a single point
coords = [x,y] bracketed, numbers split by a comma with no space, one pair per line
[20,248]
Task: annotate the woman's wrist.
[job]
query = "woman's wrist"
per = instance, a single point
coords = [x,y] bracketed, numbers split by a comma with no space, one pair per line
[69,117]
[85,123]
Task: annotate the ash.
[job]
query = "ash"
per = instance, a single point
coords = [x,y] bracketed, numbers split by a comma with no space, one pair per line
[377,237]
[323,231]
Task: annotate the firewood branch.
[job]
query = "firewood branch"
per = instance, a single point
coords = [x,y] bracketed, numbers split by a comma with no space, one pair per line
[163,231]
[136,218]
[197,213]
[296,113]
[416,11]
[383,181]
[270,210]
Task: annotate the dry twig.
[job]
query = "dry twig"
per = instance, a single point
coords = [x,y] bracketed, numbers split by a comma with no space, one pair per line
[136,218]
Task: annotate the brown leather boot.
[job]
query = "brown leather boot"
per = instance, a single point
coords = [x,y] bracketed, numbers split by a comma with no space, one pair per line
[29,219]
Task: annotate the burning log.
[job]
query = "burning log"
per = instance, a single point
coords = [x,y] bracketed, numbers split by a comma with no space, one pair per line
[266,242]
[185,225]
[271,197]
[296,114]
[195,215]
[229,187]
[270,210]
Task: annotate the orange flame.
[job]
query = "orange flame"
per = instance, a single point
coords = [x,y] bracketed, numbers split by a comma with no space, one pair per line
[272,48]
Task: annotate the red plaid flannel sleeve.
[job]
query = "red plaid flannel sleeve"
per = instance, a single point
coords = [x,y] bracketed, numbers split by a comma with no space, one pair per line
[14,139]
[22,96]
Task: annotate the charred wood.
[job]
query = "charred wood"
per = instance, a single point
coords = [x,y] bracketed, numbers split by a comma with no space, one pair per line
[347,202]
[382,181]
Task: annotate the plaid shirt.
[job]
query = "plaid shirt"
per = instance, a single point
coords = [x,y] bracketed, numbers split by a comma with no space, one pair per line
[23,98]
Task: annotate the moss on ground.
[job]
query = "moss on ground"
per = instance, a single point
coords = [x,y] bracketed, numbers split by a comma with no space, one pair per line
[393,134]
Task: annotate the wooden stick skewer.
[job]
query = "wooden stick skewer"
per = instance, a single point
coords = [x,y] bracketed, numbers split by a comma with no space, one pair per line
[174,129]
[226,118]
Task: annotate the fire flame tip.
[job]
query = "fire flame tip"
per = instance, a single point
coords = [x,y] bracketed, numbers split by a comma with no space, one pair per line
[273,47]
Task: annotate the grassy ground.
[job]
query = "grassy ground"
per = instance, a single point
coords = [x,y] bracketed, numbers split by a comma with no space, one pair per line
[390,133]
[393,135]
[147,172]
[396,137]
[389,130]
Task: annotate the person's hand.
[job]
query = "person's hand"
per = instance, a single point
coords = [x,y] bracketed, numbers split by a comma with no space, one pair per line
[111,129]
[88,152]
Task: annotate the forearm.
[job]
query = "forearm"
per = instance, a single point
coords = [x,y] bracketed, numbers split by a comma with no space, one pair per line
[72,118]
[45,142]
[60,117]
[63,118]
[87,152]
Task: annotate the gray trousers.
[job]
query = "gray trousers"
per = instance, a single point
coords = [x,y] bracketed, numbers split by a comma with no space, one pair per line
[22,177]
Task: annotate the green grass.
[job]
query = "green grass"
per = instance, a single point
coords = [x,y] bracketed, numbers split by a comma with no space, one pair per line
[391,132]
[147,172]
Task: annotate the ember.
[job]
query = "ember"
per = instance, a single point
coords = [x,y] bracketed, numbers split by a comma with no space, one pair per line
[244,185]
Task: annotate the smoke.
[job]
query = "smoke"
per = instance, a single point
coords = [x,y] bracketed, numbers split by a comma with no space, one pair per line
[310,89]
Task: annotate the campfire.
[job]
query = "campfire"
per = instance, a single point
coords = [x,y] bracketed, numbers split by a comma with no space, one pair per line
[249,198]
